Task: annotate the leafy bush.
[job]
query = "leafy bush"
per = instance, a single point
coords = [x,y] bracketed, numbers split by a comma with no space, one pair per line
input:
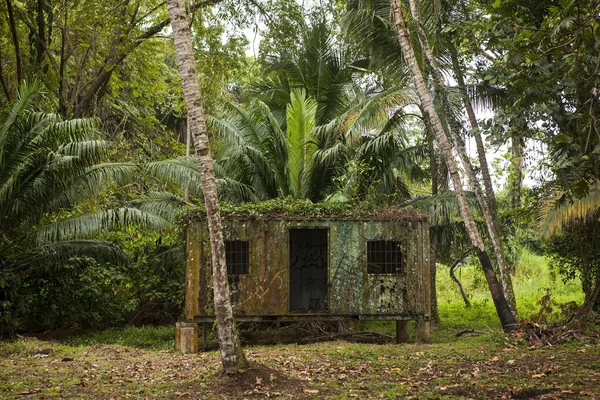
[79,293]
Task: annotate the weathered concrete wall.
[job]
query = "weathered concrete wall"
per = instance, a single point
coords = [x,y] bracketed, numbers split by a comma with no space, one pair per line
[352,291]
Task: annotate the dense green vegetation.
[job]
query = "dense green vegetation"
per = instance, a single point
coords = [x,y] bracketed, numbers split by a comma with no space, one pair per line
[95,177]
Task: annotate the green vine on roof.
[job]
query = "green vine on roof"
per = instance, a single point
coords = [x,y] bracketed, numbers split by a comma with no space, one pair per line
[291,207]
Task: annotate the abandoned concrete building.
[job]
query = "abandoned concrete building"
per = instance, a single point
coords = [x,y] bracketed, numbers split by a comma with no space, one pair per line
[285,268]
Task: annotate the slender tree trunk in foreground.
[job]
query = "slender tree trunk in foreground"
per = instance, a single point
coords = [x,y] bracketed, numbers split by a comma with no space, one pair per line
[506,317]
[484,201]
[232,356]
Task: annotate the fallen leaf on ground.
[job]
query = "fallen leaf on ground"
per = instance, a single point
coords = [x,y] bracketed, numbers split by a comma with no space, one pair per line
[30,391]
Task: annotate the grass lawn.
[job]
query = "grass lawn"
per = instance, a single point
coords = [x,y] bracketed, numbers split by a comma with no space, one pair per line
[139,363]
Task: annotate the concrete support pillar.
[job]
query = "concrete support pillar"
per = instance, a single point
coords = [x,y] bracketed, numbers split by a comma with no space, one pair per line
[205,329]
[186,337]
[402,335]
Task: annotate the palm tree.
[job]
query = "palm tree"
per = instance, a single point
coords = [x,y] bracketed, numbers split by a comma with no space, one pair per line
[309,119]
[49,164]
[232,356]
[453,128]
[279,157]
[369,23]
[323,68]
[295,157]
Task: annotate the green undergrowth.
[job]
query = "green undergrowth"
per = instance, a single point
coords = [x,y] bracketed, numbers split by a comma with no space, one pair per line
[147,337]
[542,294]
[28,347]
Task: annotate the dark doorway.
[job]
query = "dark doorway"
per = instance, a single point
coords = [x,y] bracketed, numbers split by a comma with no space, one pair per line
[309,255]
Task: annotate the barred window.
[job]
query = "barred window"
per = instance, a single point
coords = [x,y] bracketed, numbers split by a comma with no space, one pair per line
[237,257]
[384,257]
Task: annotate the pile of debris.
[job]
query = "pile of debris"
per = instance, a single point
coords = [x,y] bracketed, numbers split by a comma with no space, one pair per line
[541,334]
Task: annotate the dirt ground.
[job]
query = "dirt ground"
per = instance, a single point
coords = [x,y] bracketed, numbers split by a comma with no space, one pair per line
[477,368]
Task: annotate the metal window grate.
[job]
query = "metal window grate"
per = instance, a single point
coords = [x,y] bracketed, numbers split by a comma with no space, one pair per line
[237,257]
[384,257]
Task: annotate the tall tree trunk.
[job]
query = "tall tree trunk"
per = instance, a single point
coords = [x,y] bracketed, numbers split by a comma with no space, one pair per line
[435,316]
[515,177]
[454,131]
[506,317]
[5,87]
[62,98]
[483,164]
[232,355]
[188,148]
[40,38]
[485,171]
[15,38]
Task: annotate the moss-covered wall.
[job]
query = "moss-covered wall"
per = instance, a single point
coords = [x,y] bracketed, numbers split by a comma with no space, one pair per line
[352,291]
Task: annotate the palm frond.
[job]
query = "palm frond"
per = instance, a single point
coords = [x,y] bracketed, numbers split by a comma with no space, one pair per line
[182,171]
[327,162]
[28,92]
[323,69]
[369,25]
[53,254]
[558,213]
[163,204]
[300,124]
[235,192]
[45,160]
[93,180]
[372,110]
[89,225]
[485,97]
[442,208]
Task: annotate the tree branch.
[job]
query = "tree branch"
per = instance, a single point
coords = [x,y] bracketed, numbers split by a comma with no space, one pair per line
[453,268]
[155,29]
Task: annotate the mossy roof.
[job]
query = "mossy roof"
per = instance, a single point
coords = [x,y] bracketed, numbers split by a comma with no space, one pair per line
[287,209]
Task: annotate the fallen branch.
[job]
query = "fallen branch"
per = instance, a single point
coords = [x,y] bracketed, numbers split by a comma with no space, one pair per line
[470,332]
